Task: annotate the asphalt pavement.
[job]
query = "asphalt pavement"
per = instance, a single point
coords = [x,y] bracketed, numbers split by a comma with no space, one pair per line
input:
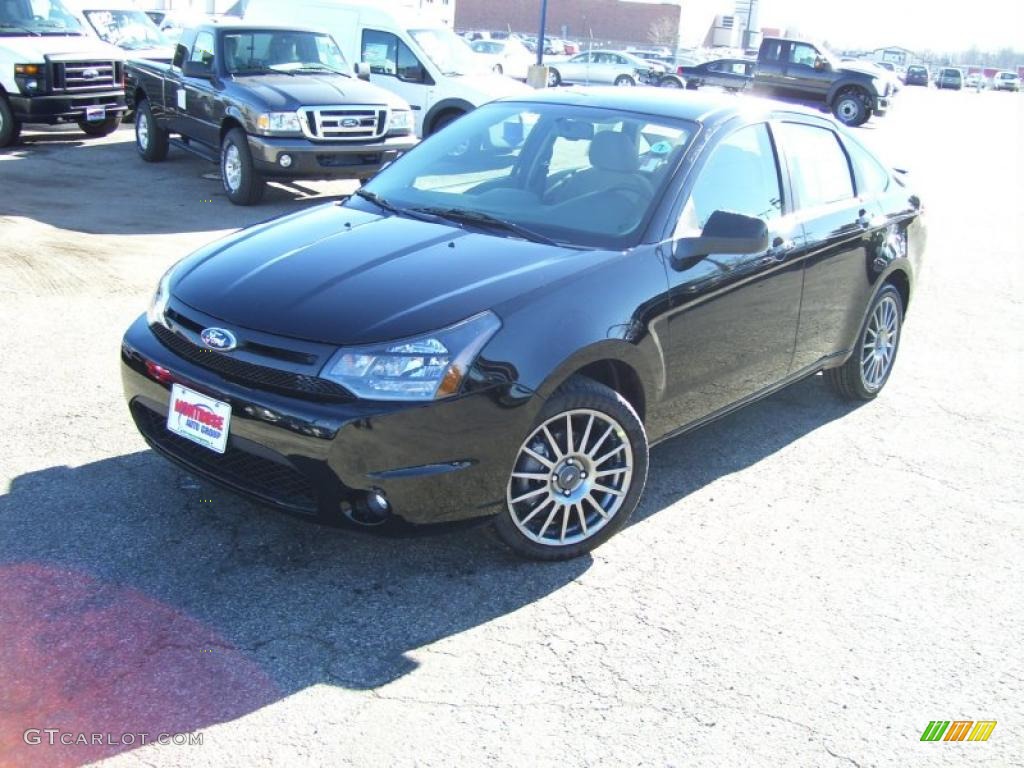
[805,582]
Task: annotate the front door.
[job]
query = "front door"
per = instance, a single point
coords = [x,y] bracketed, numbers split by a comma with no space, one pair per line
[734,317]
[200,96]
[394,67]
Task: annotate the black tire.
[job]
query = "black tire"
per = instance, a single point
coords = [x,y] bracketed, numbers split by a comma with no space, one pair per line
[101,128]
[444,121]
[624,81]
[850,107]
[10,128]
[242,182]
[151,141]
[850,379]
[498,69]
[580,403]
[670,81]
[692,85]
[554,78]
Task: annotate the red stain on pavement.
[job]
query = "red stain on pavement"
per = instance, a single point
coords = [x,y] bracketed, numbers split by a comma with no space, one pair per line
[85,656]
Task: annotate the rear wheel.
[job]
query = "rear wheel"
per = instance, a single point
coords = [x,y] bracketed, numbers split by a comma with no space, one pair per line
[578,475]
[242,182]
[625,81]
[101,127]
[10,128]
[498,70]
[670,82]
[554,78]
[150,139]
[866,372]
[851,108]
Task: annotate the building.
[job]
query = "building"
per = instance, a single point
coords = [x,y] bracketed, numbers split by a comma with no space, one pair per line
[618,22]
[895,55]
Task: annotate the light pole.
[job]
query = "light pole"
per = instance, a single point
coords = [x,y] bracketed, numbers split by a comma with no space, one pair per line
[543,26]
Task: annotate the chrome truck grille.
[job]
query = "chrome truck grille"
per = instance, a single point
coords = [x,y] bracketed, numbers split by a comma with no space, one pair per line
[84,76]
[348,123]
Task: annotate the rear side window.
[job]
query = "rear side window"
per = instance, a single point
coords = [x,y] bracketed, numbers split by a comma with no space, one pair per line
[818,165]
[741,175]
[871,176]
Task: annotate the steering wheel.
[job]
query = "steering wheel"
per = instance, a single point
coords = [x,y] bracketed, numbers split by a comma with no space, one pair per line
[638,187]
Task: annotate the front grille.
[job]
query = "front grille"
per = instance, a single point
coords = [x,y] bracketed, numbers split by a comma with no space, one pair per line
[274,481]
[344,123]
[84,76]
[250,374]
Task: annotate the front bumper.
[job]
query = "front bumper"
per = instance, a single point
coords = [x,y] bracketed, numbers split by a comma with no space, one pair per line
[65,108]
[437,462]
[327,160]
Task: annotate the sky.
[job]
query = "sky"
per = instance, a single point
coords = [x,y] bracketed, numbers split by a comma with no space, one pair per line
[935,24]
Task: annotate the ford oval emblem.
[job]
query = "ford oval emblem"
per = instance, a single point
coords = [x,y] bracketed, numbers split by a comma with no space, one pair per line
[219,339]
[350,122]
[90,74]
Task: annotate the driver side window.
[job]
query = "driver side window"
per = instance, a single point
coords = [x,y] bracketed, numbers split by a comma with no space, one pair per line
[202,51]
[741,176]
[387,55]
[800,53]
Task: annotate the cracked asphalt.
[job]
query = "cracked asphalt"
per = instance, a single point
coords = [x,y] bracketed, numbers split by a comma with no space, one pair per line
[805,582]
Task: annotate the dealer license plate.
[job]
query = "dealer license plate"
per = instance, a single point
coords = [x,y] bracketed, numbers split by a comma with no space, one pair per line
[95,114]
[199,418]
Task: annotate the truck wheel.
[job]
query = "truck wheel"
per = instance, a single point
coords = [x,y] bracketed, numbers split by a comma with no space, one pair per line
[554,78]
[850,107]
[150,138]
[102,128]
[10,128]
[242,182]
[669,82]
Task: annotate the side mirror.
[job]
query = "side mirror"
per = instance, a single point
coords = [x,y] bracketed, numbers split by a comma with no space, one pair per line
[362,70]
[821,63]
[197,69]
[727,233]
[413,74]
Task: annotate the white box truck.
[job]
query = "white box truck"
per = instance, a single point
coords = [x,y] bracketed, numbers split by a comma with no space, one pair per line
[52,71]
[408,53]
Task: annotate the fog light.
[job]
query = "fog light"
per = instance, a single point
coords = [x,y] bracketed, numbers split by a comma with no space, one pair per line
[285,161]
[32,85]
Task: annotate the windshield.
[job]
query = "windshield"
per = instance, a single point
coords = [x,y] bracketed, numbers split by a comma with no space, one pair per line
[131,30]
[446,50]
[37,17]
[258,51]
[580,176]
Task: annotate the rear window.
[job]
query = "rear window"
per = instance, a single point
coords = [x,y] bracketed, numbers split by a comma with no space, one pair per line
[819,167]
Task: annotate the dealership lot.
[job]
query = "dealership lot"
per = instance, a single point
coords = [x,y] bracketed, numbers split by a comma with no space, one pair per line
[805,582]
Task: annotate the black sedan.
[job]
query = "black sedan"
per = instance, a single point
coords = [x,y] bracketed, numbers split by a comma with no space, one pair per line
[731,74]
[503,321]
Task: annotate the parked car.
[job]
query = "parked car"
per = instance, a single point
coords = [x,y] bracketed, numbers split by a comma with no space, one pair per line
[808,72]
[266,102]
[599,68]
[1006,81]
[950,77]
[975,80]
[171,23]
[731,74]
[504,57]
[52,71]
[918,75]
[119,23]
[410,54]
[388,371]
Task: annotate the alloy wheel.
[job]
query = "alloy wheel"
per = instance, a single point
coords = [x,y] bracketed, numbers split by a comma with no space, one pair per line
[142,130]
[880,339]
[848,109]
[570,478]
[232,167]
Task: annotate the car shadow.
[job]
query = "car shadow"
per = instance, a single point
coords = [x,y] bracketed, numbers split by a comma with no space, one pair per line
[137,599]
[101,186]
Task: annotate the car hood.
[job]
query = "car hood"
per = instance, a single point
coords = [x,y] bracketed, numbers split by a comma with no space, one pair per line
[35,49]
[163,55]
[343,276]
[862,69]
[285,93]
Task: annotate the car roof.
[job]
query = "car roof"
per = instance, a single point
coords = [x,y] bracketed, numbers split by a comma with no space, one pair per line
[248,26]
[703,107]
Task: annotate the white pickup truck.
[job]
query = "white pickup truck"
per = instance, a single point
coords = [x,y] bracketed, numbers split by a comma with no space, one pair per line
[52,71]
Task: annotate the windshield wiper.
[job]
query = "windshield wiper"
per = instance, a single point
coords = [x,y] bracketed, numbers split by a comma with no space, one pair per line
[319,68]
[21,28]
[380,202]
[486,220]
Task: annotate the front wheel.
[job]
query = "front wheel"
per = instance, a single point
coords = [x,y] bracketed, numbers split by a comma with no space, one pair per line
[238,173]
[578,476]
[670,82]
[850,108]
[101,127]
[10,128]
[866,372]
[554,78]
[625,81]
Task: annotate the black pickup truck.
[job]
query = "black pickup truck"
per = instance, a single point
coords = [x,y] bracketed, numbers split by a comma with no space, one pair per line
[266,102]
[805,71]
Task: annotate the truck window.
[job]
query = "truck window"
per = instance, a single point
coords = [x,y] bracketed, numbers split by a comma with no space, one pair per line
[387,55]
[801,53]
[818,165]
[741,175]
[771,50]
[202,51]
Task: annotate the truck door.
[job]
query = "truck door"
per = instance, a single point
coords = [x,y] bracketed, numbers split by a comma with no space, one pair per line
[200,97]
[801,73]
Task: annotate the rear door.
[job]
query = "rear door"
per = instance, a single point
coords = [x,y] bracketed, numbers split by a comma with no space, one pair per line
[839,223]
[734,317]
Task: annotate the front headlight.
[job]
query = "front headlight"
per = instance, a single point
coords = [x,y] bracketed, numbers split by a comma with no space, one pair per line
[428,367]
[279,122]
[158,306]
[400,121]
